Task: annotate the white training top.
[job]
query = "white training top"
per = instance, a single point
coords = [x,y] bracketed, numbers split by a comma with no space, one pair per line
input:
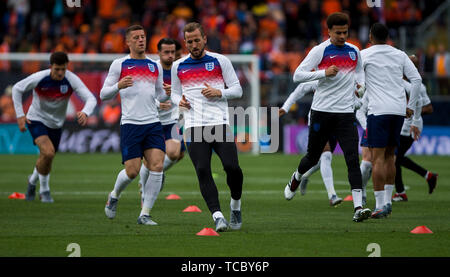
[384,67]
[138,101]
[423,101]
[189,77]
[171,115]
[50,97]
[361,113]
[333,94]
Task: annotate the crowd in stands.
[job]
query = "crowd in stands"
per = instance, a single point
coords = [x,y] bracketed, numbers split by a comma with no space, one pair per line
[281,32]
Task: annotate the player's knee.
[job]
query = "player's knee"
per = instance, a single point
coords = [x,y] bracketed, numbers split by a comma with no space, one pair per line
[203,171]
[233,169]
[48,153]
[132,172]
[173,155]
[156,166]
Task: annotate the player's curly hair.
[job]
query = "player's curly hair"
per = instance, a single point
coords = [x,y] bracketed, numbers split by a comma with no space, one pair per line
[338,19]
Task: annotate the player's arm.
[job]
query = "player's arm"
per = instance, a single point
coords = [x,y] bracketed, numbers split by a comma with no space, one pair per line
[360,76]
[234,89]
[86,95]
[162,95]
[362,112]
[112,84]
[301,90]
[304,72]
[18,90]
[410,71]
[176,95]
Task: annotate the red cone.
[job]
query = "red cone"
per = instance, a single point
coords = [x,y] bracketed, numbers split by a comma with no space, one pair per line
[192,209]
[421,230]
[17,195]
[348,198]
[207,232]
[173,197]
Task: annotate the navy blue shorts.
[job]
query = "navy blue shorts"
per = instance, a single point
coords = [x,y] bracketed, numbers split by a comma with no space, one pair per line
[384,130]
[364,142]
[135,139]
[173,131]
[38,129]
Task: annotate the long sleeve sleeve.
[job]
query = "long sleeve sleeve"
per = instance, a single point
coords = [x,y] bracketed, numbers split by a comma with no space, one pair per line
[23,86]
[303,72]
[161,94]
[301,90]
[234,89]
[175,96]
[84,93]
[410,71]
[110,86]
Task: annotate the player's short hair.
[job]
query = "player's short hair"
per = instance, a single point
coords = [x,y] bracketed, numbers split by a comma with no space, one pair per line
[338,19]
[379,32]
[190,27]
[168,41]
[133,28]
[59,58]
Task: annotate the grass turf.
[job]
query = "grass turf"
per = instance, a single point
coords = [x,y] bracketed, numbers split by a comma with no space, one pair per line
[272,227]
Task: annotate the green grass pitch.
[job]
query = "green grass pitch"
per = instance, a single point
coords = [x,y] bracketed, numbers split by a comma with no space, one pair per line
[272,227]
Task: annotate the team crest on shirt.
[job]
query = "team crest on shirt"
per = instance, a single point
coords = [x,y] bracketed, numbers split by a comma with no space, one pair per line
[209,66]
[64,89]
[151,67]
[352,55]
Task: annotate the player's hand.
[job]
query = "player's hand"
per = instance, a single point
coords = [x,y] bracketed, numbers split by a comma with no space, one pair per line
[415,132]
[167,88]
[331,71]
[125,82]
[210,92]
[165,106]
[281,112]
[21,121]
[184,103]
[82,118]
[409,112]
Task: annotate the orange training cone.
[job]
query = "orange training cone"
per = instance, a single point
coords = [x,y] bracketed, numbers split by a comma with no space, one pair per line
[192,209]
[348,198]
[173,197]
[207,232]
[421,230]
[17,195]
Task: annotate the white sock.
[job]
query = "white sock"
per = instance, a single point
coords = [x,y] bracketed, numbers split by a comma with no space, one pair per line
[143,175]
[357,198]
[388,189]
[311,170]
[44,181]
[297,175]
[366,171]
[168,162]
[327,172]
[235,205]
[151,191]
[34,177]
[122,182]
[217,215]
[379,199]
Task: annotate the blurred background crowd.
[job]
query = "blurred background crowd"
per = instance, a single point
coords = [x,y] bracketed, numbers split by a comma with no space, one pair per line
[280,32]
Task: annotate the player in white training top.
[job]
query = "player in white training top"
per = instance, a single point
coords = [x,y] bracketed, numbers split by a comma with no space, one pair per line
[52,89]
[384,68]
[324,163]
[201,84]
[168,51]
[139,81]
[337,65]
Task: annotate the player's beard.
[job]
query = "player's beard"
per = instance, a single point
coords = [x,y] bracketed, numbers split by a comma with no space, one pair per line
[200,53]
